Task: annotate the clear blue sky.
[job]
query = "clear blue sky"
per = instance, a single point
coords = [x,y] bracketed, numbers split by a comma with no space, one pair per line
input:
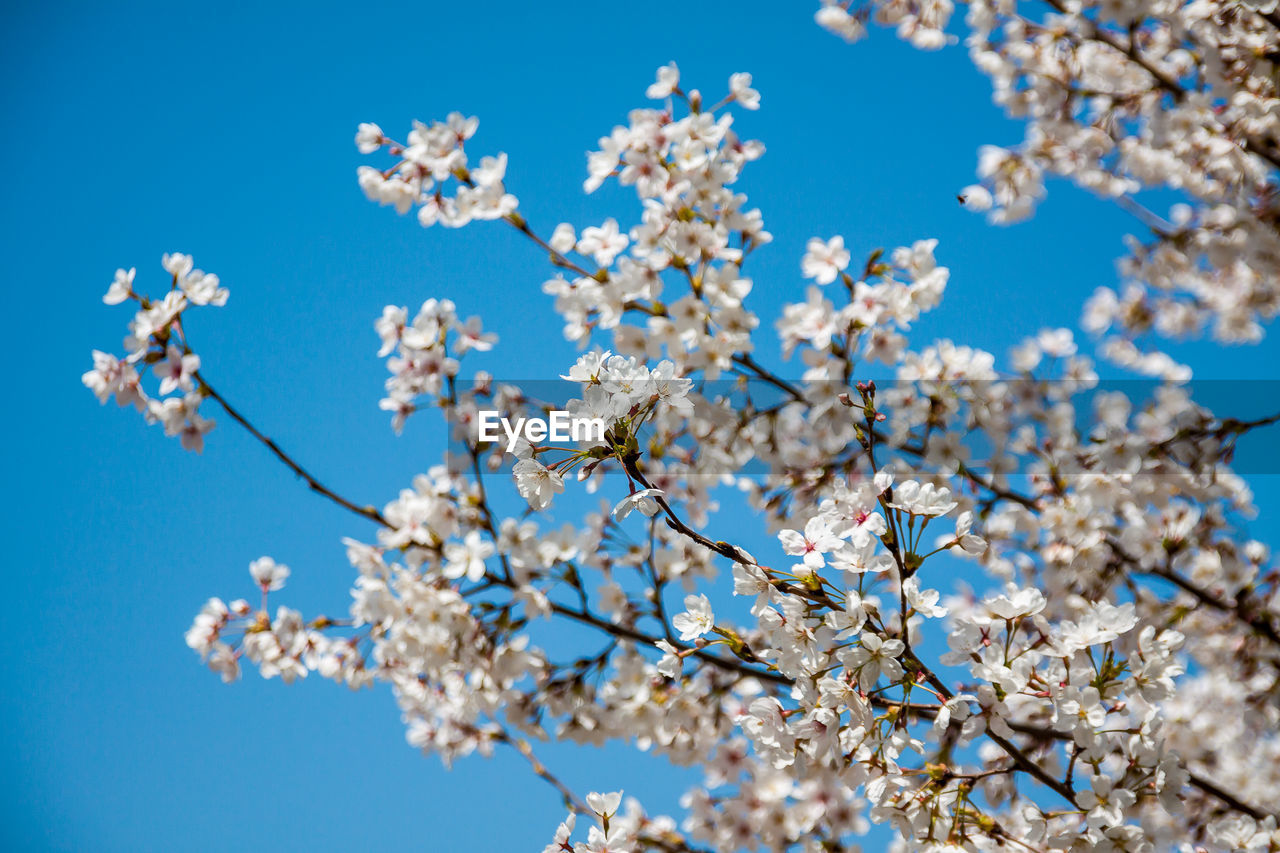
[146,128]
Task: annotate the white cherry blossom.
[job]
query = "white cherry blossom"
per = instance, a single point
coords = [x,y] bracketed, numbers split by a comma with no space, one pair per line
[697,618]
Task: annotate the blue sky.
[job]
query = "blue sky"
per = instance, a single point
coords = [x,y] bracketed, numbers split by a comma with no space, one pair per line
[145,128]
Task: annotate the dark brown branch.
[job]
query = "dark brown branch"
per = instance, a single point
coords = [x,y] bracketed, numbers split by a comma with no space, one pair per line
[367,511]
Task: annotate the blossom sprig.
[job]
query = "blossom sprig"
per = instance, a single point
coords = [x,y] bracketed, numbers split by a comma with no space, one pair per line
[157,344]
[1120,99]
[426,356]
[282,646]
[890,295]
[432,157]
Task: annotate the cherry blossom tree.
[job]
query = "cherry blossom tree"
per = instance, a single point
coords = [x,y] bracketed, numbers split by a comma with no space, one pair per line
[1108,675]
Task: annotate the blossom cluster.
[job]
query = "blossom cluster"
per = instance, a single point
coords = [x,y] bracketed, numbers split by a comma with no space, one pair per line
[1122,98]
[432,156]
[156,343]
[422,364]
[1105,676]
